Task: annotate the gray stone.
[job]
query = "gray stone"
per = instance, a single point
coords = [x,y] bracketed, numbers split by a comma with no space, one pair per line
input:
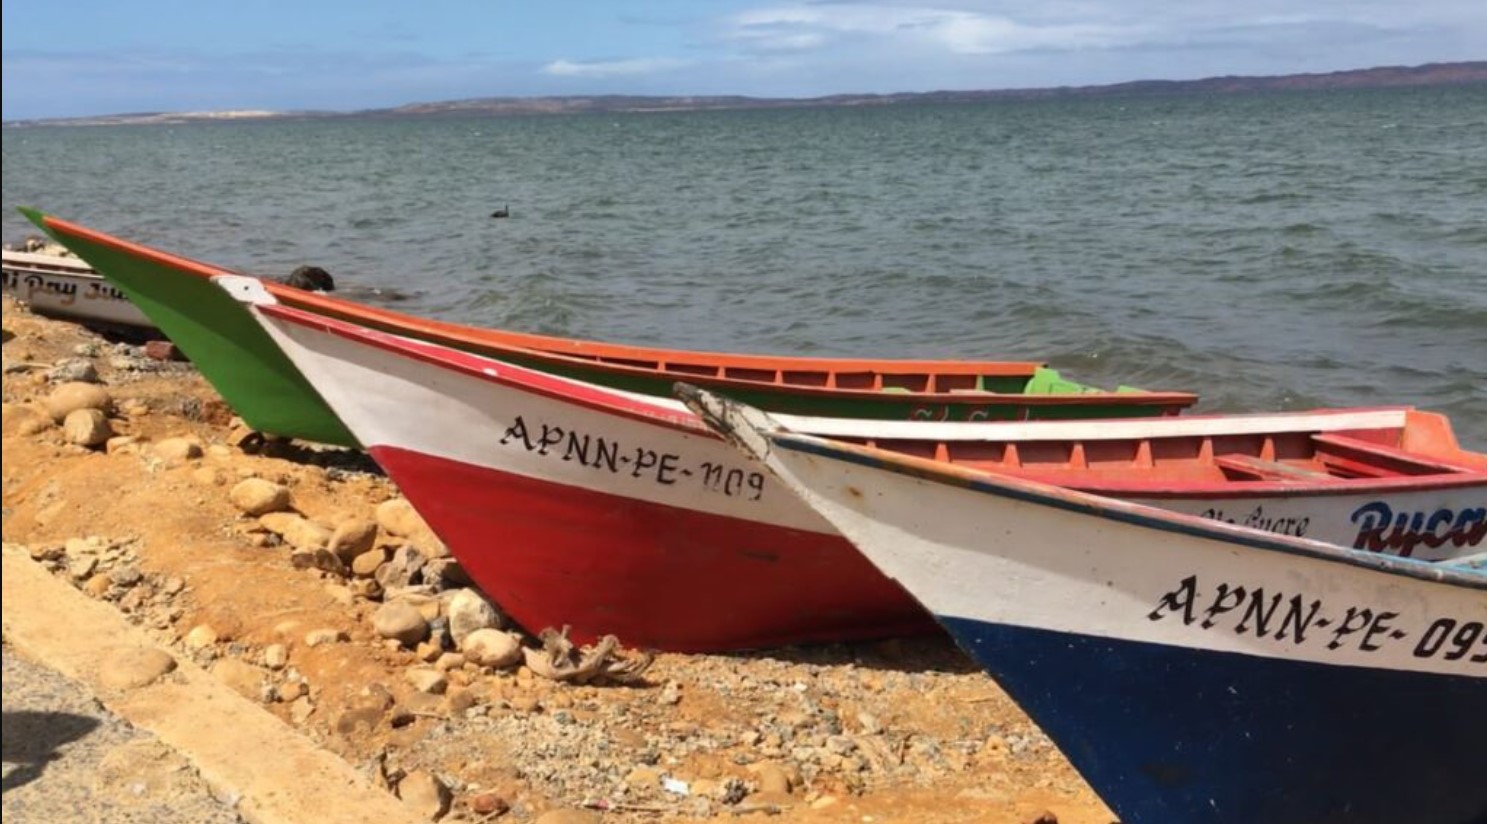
[46,552]
[73,369]
[81,567]
[401,622]
[447,573]
[405,568]
[317,558]
[468,611]
[125,575]
[492,648]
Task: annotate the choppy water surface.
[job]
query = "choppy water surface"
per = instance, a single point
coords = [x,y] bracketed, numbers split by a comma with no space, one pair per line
[1269,251]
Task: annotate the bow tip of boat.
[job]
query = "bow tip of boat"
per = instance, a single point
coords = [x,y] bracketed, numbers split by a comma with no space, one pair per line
[36,216]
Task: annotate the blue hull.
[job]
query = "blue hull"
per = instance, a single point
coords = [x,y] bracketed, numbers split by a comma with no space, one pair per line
[1169,735]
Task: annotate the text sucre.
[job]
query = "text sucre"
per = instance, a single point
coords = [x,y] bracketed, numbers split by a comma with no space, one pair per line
[607,455]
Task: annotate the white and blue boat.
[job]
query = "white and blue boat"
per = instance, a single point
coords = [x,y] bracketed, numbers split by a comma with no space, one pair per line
[1194,672]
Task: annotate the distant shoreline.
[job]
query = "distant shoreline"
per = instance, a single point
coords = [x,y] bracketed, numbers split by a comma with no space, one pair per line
[1381,77]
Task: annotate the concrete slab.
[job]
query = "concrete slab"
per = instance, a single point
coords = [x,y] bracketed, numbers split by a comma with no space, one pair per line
[240,749]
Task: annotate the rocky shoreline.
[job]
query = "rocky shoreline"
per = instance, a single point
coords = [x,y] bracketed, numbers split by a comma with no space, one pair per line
[301,579]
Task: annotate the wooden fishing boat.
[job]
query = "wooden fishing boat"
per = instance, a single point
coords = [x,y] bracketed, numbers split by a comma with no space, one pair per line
[620,513]
[1194,672]
[63,287]
[264,389]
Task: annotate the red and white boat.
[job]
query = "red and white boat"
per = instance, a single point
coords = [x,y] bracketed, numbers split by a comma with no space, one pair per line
[619,513]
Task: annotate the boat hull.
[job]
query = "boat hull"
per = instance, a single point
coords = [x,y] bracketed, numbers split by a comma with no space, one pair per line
[1194,673]
[666,577]
[571,504]
[1171,735]
[48,288]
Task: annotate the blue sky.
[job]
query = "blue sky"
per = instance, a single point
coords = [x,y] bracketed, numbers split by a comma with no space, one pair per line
[85,57]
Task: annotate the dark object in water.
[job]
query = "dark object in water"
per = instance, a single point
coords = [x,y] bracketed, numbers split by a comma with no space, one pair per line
[504,211]
[311,279]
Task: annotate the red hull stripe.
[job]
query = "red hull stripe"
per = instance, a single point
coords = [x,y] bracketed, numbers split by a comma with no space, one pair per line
[655,576]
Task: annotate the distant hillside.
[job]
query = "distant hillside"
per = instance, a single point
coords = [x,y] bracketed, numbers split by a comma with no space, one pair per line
[1431,74]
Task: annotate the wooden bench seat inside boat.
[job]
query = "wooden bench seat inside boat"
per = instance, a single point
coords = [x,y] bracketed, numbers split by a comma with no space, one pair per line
[1360,458]
[1250,466]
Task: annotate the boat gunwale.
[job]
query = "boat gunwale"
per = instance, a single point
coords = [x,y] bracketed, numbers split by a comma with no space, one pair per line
[1073,500]
[51,264]
[638,407]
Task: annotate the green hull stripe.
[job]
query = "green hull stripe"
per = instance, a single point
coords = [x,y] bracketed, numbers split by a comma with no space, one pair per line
[219,336]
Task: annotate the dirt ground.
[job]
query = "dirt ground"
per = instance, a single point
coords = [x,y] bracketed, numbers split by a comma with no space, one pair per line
[902,730]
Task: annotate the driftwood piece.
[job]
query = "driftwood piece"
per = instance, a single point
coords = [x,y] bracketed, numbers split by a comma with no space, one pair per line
[560,660]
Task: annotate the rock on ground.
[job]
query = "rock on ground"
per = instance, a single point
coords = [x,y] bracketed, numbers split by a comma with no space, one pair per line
[398,517]
[470,611]
[70,397]
[425,793]
[401,622]
[352,538]
[492,648]
[86,427]
[256,496]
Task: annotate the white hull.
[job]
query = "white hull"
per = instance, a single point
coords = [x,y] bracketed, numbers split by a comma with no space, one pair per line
[66,288]
[501,417]
[1073,563]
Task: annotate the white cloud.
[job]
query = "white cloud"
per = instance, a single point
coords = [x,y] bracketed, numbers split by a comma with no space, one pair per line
[1001,27]
[956,31]
[612,68]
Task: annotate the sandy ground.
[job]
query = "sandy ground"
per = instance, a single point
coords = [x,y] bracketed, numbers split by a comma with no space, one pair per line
[898,730]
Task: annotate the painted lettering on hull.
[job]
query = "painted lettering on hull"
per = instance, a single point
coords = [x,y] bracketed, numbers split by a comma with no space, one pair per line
[1258,518]
[605,454]
[1297,619]
[1381,529]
